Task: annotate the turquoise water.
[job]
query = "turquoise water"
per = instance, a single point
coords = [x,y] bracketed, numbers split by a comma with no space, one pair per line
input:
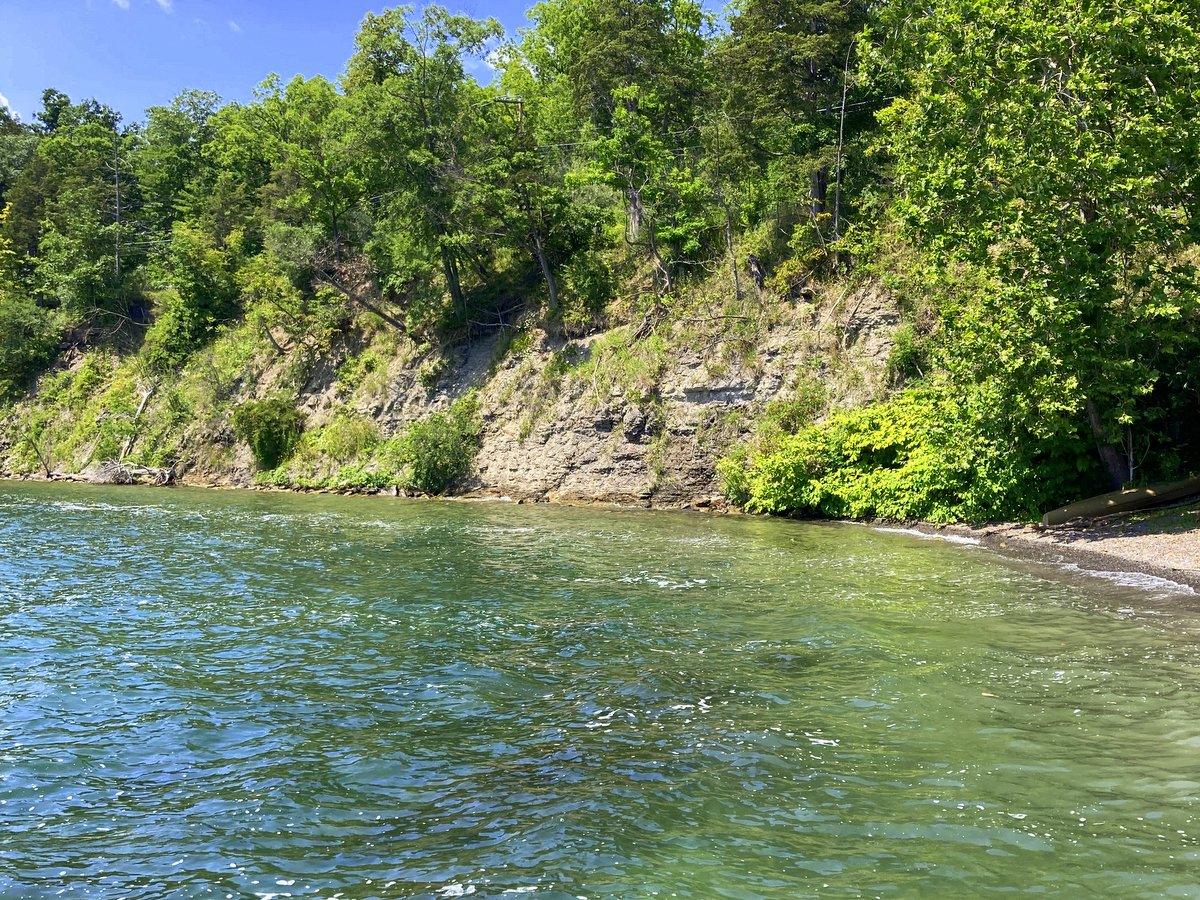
[208,694]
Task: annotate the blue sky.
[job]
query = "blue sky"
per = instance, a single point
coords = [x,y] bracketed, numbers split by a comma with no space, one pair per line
[132,54]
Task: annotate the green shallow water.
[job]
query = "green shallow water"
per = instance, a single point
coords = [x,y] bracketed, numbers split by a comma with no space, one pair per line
[210,694]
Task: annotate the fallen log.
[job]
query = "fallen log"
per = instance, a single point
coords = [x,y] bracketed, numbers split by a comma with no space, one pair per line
[113,471]
[1126,500]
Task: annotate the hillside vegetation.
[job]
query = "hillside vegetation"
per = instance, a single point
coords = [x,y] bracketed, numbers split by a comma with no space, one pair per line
[637,183]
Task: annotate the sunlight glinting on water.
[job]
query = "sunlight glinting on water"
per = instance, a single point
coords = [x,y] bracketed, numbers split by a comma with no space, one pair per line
[227,695]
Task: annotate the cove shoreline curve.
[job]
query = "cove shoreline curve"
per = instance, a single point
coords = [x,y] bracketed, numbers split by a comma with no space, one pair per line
[1095,548]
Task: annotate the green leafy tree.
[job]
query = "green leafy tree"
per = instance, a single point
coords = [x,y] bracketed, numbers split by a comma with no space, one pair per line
[1054,147]
[17,145]
[69,218]
[304,129]
[416,112]
[202,294]
[27,332]
[781,75]
[173,169]
[634,72]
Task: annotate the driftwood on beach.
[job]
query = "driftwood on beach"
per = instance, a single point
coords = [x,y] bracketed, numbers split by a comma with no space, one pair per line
[112,471]
[1126,500]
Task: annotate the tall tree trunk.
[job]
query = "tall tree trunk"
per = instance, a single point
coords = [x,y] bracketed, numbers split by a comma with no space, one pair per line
[450,271]
[547,273]
[637,213]
[818,189]
[737,284]
[539,251]
[1115,463]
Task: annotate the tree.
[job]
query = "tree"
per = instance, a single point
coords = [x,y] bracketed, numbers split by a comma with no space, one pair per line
[781,72]
[69,214]
[414,109]
[27,332]
[17,144]
[1054,148]
[172,166]
[304,130]
[634,71]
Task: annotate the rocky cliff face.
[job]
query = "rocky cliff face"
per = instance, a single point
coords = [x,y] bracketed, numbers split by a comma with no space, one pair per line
[657,443]
[607,418]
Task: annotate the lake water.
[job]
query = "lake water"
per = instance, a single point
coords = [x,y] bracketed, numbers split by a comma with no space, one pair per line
[207,694]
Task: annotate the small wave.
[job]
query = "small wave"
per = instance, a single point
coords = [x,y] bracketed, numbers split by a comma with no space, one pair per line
[70,506]
[1134,579]
[663,581]
[949,538]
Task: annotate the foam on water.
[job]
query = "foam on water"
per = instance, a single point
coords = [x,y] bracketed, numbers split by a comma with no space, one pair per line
[929,536]
[1137,580]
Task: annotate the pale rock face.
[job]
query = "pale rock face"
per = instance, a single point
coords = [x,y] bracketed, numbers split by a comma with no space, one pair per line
[571,439]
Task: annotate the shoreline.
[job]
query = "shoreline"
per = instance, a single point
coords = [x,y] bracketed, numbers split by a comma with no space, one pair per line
[1161,544]
[1095,548]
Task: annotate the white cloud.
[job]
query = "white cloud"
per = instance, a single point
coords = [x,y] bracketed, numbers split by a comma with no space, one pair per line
[124,4]
[3,100]
[165,5]
[235,27]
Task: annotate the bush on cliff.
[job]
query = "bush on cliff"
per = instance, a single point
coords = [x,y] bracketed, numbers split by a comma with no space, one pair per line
[929,453]
[271,427]
[435,454]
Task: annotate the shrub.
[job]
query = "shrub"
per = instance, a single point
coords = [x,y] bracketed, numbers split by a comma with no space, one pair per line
[271,427]
[177,330]
[27,341]
[788,415]
[586,284]
[927,454]
[733,475]
[909,356]
[355,369]
[347,437]
[435,454]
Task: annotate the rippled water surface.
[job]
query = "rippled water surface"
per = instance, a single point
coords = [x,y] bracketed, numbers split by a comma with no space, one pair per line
[242,695]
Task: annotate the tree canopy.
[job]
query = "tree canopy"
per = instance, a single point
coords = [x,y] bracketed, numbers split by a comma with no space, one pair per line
[1023,175]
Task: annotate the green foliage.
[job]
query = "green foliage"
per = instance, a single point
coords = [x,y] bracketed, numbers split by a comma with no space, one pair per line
[733,476]
[909,356]
[929,454]
[202,296]
[789,414]
[27,341]
[1044,145]
[1027,191]
[355,369]
[63,220]
[588,283]
[436,453]
[160,429]
[417,116]
[310,317]
[82,415]
[345,438]
[431,370]
[617,361]
[271,427]
[17,146]
[173,168]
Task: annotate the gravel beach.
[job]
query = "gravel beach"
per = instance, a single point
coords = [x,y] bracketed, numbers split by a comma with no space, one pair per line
[1163,543]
